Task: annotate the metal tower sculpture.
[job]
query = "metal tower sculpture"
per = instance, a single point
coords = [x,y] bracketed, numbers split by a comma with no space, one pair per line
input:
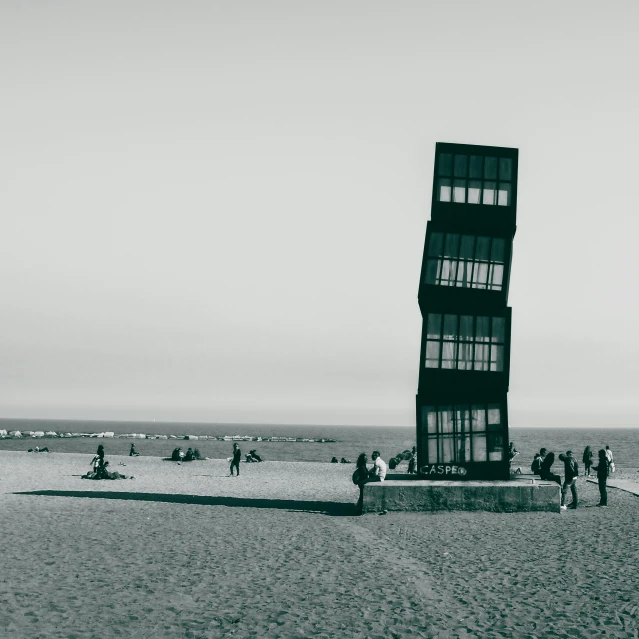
[462,409]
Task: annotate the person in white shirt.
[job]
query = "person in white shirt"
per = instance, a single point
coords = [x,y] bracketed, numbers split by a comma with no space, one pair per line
[609,456]
[378,472]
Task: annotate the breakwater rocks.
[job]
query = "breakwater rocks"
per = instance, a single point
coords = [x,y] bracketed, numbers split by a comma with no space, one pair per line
[16,434]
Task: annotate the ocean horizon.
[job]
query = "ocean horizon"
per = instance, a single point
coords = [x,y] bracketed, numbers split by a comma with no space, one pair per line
[349,440]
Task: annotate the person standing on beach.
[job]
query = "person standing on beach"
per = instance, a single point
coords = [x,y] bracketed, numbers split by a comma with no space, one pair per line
[235,460]
[602,477]
[587,460]
[360,477]
[611,461]
[378,471]
[571,470]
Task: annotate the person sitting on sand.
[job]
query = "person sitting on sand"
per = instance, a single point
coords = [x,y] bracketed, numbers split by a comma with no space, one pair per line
[545,470]
[133,452]
[189,455]
[197,454]
[378,471]
[176,454]
[334,460]
[255,456]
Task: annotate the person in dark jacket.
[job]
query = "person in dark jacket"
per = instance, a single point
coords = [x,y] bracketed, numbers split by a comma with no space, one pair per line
[602,477]
[361,474]
[538,461]
[545,472]
[587,460]
[571,472]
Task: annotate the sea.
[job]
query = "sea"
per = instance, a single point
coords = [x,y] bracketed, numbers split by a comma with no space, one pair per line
[349,442]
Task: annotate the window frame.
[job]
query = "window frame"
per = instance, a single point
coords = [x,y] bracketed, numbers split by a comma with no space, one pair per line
[491,438]
[437,259]
[494,342]
[485,196]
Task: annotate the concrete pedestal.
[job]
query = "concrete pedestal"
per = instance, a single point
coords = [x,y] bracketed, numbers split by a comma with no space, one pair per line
[516,495]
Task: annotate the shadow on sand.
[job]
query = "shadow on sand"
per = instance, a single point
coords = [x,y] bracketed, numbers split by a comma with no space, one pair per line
[332,508]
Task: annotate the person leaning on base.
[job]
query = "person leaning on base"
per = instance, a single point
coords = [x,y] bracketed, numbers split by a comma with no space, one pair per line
[602,477]
[571,470]
[378,471]
[538,461]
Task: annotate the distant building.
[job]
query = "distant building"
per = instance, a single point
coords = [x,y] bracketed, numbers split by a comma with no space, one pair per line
[462,409]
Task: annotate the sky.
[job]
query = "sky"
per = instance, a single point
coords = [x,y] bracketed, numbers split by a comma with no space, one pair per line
[215,211]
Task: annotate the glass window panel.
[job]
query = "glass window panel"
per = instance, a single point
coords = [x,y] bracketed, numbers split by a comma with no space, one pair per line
[464,273]
[432,354]
[497,358]
[499,329]
[465,356]
[494,414]
[498,251]
[445,164]
[495,447]
[431,419]
[451,248]
[436,244]
[483,329]
[445,273]
[474,192]
[495,277]
[434,325]
[483,248]
[459,192]
[480,275]
[449,354]
[431,271]
[478,415]
[445,419]
[446,450]
[450,326]
[432,450]
[476,166]
[467,247]
[505,169]
[479,447]
[461,165]
[490,168]
[489,193]
[503,197]
[445,190]
[481,357]
[466,327]
[463,448]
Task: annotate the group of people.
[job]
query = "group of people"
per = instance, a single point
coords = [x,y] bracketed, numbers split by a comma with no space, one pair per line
[363,474]
[179,455]
[100,467]
[542,466]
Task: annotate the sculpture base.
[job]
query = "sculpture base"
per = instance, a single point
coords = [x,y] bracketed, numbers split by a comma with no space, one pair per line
[517,495]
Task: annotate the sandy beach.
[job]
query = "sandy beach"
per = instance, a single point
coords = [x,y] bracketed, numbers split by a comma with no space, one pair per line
[186,551]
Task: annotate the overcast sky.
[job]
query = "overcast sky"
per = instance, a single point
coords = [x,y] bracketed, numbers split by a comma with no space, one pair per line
[215,211]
